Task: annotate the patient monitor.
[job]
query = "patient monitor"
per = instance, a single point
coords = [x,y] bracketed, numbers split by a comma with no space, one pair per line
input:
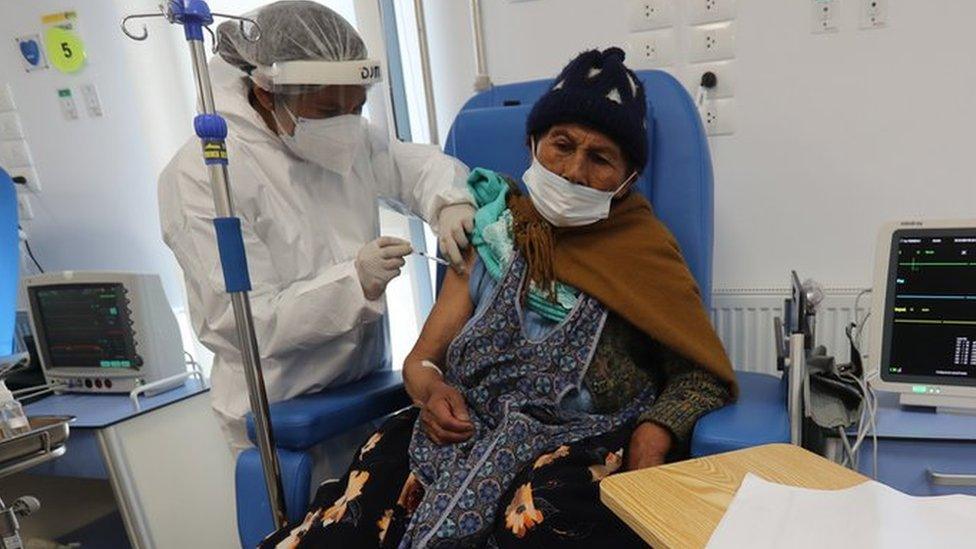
[104,332]
[923,316]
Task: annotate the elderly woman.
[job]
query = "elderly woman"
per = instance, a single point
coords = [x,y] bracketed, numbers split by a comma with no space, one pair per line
[574,344]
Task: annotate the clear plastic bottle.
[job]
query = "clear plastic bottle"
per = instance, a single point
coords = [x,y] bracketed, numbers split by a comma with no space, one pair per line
[13,420]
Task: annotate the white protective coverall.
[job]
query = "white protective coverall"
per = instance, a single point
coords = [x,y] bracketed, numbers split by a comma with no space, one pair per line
[303,227]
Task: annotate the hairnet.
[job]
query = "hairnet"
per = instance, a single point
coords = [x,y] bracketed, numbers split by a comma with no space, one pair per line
[290,31]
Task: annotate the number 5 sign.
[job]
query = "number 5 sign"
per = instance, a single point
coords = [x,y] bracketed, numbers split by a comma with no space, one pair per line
[65,50]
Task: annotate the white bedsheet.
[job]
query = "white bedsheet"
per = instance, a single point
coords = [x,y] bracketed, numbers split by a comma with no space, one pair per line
[871,515]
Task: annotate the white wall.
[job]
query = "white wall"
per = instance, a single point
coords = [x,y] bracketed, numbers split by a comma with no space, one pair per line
[836,133]
[97,208]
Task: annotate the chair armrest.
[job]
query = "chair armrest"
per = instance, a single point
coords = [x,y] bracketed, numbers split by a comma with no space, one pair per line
[304,421]
[759,416]
[254,521]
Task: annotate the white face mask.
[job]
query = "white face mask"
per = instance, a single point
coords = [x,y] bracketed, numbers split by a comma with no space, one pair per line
[564,203]
[333,143]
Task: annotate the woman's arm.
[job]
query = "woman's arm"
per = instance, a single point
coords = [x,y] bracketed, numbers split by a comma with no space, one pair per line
[689,392]
[443,411]
[451,311]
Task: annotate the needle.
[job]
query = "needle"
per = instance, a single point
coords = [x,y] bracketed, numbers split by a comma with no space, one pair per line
[429,257]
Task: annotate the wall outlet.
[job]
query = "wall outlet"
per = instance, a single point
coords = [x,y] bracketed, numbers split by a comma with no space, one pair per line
[649,50]
[650,14]
[93,103]
[33,184]
[874,14]
[824,16]
[15,153]
[10,127]
[24,209]
[718,116]
[6,98]
[711,43]
[725,78]
[68,107]
[700,12]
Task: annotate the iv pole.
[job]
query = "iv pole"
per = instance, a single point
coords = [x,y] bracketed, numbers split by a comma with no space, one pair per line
[211,128]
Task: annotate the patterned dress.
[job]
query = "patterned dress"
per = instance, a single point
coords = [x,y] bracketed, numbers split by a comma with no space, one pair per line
[552,418]
[514,386]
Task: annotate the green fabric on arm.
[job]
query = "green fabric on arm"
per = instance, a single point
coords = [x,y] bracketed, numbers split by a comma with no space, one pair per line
[489,190]
[492,238]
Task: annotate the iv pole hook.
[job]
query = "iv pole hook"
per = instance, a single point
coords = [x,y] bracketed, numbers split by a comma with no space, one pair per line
[145,32]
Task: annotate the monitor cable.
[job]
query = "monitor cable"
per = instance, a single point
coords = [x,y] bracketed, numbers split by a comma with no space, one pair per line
[27,247]
[37,390]
[867,423]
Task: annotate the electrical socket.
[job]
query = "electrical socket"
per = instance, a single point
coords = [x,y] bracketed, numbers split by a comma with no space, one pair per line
[24,209]
[650,50]
[93,103]
[824,16]
[711,43]
[15,153]
[724,75]
[651,14]
[874,14]
[700,12]
[718,116]
[30,175]
[10,127]
[6,98]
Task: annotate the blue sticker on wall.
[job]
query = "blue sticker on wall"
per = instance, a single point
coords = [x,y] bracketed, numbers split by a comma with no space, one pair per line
[31,52]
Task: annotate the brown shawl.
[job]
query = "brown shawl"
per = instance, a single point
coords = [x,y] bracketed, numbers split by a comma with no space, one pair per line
[631,263]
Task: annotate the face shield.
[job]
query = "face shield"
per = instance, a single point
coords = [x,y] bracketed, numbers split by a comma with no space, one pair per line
[321,89]
[322,107]
[312,71]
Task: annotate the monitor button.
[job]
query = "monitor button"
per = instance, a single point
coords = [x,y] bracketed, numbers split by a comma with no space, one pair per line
[88,383]
[108,383]
[98,383]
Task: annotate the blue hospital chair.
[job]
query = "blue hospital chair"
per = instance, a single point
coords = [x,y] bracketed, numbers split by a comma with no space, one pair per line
[9,262]
[490,132]
[300,424]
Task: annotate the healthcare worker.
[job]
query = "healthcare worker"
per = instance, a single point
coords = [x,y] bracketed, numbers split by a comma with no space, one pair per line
[306,171]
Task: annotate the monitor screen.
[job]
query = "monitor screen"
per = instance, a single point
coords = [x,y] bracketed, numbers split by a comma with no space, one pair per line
[84,326]
[930,308]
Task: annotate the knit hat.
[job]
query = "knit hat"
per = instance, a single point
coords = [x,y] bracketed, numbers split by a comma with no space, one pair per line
[597,90]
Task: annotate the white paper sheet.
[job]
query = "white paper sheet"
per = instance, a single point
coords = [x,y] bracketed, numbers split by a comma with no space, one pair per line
[871,515]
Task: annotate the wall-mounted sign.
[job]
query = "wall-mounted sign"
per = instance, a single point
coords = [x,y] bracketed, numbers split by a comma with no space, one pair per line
[64,46]
[31,52]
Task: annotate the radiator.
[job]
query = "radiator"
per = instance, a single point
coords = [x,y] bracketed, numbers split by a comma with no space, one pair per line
[743,319]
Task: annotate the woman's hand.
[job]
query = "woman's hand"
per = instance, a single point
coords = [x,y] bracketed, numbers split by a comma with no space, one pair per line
[445,415]
[649,445]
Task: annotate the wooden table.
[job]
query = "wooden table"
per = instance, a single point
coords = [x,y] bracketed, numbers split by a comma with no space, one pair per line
[679,505]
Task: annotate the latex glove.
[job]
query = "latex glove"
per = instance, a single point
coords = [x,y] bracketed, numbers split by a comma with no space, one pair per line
[379,262]
[649,445]
[444,415]
[454,222]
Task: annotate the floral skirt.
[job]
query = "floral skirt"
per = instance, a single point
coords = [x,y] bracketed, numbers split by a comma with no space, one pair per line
[555,502]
